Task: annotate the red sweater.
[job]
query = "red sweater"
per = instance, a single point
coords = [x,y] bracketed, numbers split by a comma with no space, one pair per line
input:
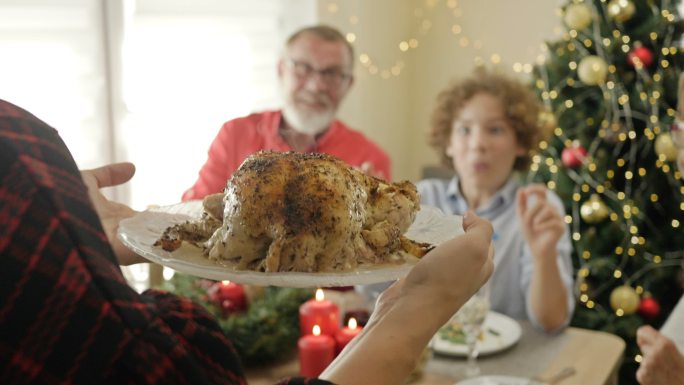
[239,138]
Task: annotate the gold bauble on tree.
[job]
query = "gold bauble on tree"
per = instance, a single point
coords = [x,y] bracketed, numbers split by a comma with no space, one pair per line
[625,298]
[546,120]
[594,210]
[592,70]
[621,10]
[577,16]
[665,147]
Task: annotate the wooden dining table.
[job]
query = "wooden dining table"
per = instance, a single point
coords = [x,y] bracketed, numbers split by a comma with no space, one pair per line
[595,357]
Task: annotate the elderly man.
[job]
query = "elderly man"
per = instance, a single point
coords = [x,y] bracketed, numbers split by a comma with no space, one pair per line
[315,74]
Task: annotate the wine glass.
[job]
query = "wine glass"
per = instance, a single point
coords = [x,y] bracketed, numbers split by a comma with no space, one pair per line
[471,317]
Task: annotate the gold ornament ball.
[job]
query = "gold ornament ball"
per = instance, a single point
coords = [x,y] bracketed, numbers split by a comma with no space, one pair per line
[547,120]
[594,210]
[592,70]
[577,16]
[621,10]
[664,146]
[625,298]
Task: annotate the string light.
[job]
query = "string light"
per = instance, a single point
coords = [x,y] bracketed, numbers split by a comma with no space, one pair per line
[424,15]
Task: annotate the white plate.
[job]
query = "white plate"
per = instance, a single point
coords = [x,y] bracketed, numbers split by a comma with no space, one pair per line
[495,380]
[141,231]
[507,328]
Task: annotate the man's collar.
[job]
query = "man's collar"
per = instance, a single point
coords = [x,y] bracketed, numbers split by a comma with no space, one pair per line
[504,197]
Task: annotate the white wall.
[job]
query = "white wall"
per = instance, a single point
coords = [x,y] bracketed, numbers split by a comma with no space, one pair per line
[396,112]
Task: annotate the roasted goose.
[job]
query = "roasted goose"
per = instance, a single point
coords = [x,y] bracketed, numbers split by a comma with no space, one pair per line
[303,212]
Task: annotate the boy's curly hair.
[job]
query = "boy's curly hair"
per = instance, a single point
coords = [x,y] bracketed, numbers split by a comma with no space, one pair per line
[522,108]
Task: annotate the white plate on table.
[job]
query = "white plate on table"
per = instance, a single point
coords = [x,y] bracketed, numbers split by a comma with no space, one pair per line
[495,380]
[500,332]
[140,232]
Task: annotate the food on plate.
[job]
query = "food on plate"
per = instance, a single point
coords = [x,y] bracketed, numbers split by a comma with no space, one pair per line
[453,332]
[287,211]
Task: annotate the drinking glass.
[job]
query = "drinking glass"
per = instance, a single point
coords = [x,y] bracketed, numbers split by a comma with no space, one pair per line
[471,317]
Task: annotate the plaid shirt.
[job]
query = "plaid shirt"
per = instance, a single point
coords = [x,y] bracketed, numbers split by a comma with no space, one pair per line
[67,316]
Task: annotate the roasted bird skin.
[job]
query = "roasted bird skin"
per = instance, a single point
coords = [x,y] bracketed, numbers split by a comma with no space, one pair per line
[308,213]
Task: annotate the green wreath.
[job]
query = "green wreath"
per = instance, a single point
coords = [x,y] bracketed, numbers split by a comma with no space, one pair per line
[266,331]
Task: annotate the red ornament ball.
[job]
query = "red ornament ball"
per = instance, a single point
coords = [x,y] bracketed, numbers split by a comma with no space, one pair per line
[649,308]
[228,295]
[643,54]
[572,156]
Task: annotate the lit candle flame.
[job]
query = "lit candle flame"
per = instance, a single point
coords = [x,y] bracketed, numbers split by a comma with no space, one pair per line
[319,295]
[352,323]
[316,330]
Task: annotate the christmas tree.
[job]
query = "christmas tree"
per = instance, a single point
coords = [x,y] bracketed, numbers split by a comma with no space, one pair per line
[610,89]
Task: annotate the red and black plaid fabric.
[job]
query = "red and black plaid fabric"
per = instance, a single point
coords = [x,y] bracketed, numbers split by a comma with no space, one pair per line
[67,316]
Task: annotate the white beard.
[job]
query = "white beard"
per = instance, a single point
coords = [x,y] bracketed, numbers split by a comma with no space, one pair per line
[310,123]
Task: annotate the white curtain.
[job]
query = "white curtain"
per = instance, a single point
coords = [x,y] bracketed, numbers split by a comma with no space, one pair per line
[147,81]
[51,63]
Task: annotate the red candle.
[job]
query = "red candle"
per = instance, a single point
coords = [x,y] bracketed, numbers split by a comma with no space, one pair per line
[346,334]
[228,295]
[316,352]
[319,311]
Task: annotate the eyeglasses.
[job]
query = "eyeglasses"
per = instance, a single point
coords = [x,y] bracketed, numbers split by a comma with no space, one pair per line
[333,77]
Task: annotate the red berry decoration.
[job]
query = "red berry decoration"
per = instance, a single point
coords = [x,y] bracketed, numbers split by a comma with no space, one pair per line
[649,308]
[228,295]
[641,54]
[228,308]
[572,156]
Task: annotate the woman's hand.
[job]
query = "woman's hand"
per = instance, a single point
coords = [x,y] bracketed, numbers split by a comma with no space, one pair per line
[111,213]
[662,363]
[411,311]
[456,269]
[465,259]
[542,224]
